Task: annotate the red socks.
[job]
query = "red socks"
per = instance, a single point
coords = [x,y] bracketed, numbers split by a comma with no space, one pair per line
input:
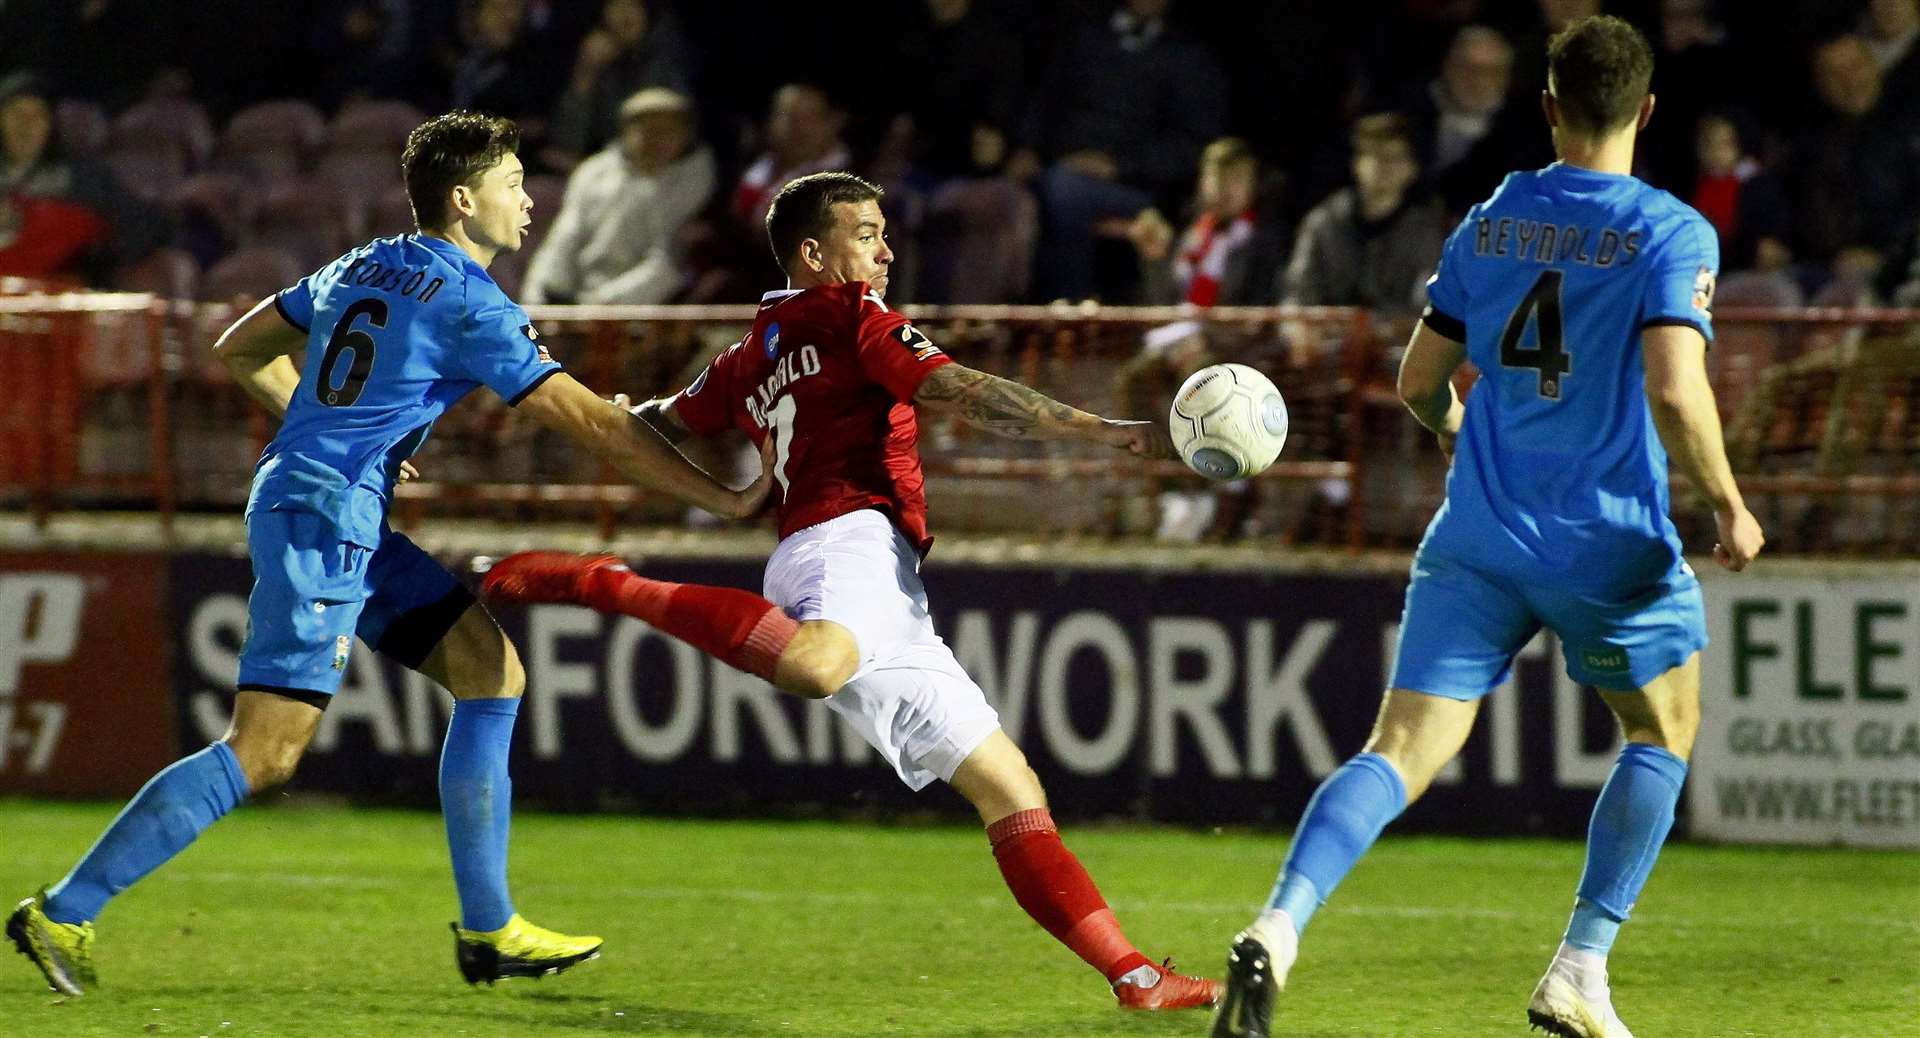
[737,627]
[1048,881]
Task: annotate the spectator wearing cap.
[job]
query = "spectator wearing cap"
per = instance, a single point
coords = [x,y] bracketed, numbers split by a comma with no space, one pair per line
[1371,244]
[61,216]
[1231,251]
[615,238]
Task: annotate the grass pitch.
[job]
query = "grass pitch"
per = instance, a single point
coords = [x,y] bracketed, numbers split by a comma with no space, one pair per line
[297,921]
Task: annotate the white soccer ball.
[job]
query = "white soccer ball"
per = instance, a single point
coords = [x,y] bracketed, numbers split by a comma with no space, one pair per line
[1228,421]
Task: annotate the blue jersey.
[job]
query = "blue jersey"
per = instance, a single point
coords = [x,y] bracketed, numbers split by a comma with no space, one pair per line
[397,331]
[1559,477]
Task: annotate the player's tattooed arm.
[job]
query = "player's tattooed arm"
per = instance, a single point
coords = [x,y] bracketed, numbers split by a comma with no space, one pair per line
[1007,408]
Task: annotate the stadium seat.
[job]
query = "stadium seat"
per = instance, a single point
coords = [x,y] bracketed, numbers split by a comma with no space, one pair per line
[213,208]
[82,126]
[168,273]
[251,275]
[1741,350]
[373,126]
[392,213]
[156,143]
[363,157]
[302,215]
[272,139]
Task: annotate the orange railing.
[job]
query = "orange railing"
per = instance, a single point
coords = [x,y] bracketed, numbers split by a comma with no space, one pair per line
[116,402]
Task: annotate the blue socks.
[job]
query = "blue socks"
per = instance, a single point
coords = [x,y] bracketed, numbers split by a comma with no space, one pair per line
[1630,822]
[169,812]
[476,796]
[1343,819]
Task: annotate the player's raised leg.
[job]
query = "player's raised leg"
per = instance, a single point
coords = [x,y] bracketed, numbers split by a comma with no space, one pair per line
[812,659]
[1049,882]
[54,928]
[1630,823]
[421,616]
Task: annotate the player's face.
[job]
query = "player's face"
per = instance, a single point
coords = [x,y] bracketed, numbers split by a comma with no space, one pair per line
[501,211]
[856,249]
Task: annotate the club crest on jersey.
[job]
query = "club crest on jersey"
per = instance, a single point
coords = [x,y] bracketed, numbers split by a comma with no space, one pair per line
[911,338]
[771,342]
[1703,285]
[539,348]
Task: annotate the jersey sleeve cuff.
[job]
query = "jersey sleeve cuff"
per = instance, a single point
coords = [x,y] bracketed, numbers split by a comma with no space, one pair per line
[1444,324]
[280,305]
[514,400]
[1705,329]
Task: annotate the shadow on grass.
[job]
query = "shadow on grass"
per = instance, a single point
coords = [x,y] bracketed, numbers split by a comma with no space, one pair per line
[577,1013]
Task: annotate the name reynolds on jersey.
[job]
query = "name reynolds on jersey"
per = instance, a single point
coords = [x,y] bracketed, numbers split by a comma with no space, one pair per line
[787,369]
[1543,242]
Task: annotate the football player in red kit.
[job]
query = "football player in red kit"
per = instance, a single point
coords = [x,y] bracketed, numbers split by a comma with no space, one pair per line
[827,383]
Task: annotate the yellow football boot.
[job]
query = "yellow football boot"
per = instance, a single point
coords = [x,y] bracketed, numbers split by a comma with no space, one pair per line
[518,949]
[63,951]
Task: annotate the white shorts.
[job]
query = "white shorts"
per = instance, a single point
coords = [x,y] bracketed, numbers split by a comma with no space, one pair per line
[910,700]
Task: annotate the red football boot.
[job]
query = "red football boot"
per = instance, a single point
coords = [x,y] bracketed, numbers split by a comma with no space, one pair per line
[544,576]
[1174,991]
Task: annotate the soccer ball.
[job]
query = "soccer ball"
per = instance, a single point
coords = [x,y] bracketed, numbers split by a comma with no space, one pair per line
[1228,421]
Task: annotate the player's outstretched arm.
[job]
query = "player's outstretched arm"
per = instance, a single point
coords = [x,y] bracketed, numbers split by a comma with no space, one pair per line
[255,350]
[1426,383]
[1007,408]
[1688,421]
[630,445]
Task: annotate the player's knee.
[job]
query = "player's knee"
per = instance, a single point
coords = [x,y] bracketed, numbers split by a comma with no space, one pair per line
[820,676]
[267,763]
[818,662]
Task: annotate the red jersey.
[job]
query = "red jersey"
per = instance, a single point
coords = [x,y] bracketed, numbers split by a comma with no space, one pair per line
[830,373]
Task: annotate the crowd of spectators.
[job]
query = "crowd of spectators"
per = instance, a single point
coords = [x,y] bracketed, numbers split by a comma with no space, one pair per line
[1173,151]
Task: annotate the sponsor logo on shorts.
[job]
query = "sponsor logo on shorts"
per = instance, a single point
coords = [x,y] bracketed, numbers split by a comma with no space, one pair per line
[1606,661]
[341,646]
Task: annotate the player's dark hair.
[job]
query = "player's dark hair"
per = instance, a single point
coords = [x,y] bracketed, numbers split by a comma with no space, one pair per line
[804,209]
[451,150]
[1599,69]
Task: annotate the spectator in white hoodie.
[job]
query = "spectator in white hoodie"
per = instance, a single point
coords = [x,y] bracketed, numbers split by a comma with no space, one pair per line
[614,241]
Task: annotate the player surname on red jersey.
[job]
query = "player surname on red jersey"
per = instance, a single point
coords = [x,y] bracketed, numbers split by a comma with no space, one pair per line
[830,373]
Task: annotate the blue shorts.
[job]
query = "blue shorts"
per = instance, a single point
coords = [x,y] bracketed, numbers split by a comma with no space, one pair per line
[314,592]
[1462,627]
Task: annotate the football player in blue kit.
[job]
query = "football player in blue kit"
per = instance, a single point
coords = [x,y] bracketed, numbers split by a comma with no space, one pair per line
[1582,295]
[394,333]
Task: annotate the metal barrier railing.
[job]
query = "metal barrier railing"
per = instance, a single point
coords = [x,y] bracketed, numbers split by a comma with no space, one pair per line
[117,402]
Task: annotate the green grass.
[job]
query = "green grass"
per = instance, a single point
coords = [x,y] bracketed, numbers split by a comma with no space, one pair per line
[296,921]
